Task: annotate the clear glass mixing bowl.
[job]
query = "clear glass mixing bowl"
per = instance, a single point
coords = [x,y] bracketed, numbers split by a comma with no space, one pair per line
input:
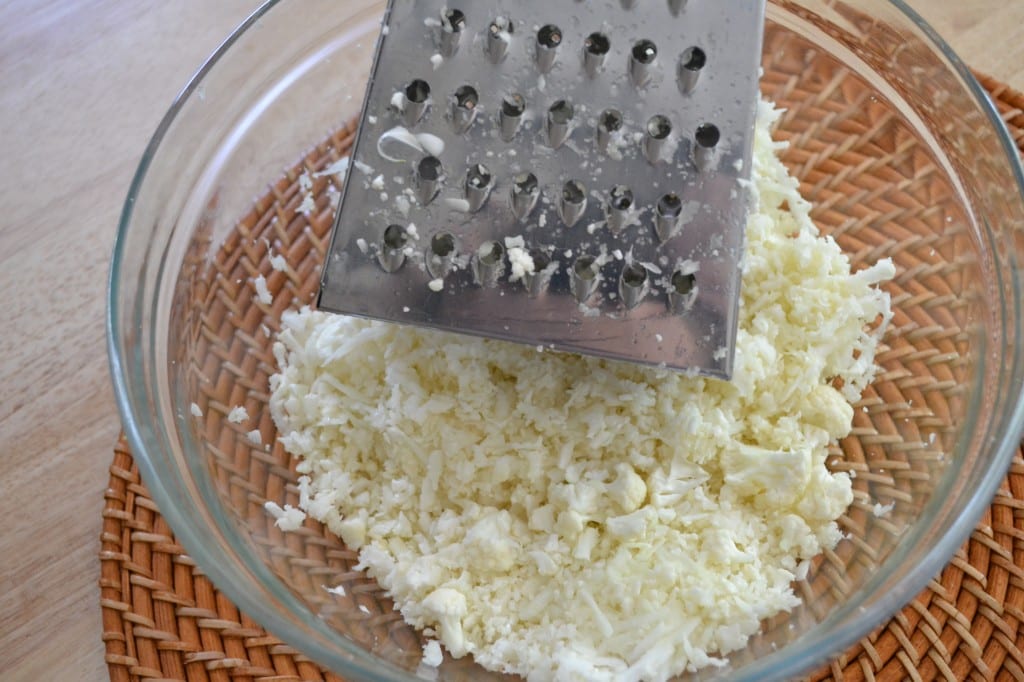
[894,142]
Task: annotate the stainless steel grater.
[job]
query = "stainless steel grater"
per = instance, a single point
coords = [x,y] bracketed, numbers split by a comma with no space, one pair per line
[564,173]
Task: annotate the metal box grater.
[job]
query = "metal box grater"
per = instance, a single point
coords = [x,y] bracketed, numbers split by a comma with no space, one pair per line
[567,173]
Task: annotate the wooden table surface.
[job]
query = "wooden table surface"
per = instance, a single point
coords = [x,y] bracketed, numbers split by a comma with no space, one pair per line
[83,83]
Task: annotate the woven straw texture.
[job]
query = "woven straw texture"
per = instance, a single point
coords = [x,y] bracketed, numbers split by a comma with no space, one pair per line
[162,618]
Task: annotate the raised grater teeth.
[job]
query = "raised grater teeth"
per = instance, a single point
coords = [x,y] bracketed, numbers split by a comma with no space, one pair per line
[549,39]
[667,213]
[524,195]
[453,23]
[634,282]
[513,106]
[595,50]
[440,256]
[573,202]
[691,64]
[556,172]
[463,108]
[705,148]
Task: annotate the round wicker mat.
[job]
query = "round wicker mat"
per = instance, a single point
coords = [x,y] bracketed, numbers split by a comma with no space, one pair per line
[164,620]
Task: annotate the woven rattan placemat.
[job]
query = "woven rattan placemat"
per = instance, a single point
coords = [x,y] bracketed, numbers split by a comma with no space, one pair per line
[164,620]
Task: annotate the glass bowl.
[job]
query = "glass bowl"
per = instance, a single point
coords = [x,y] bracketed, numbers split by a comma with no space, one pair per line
[895,144]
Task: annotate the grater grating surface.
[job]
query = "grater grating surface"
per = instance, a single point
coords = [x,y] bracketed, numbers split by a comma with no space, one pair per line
[560,173]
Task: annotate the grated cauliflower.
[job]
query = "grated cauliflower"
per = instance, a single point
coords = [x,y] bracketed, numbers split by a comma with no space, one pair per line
[570,518]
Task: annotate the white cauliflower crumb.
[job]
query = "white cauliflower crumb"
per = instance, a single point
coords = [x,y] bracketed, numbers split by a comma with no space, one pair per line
[263,294]
[570,518]
[436,285]
[255,437]
[278,262]
[338,590]
[521,263]
[288,519]
[432,655]
[238,414]
[882,510]
[338,169]
[436,61]
[195,410]
[308,205]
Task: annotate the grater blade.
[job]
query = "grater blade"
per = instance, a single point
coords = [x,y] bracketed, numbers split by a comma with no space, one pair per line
[558,173]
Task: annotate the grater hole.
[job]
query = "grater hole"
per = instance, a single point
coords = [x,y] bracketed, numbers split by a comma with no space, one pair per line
[466,97]
[395,238]
[525,183]
[634,276]
[417,91]
[501,25]
[453,20]
[549,36]
[442,244]
[584,268]
[478,177]
[573,192]
[670,206]
[513,105]
[708,135]
[561,112]
[659,127]
[645,52]
[541,260]
[491,253]
[683,283]
[597,44]
[621,198]
[610,120]
[693,59]
[429,169]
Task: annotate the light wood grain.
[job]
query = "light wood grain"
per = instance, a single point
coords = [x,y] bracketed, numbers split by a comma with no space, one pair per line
[83,83]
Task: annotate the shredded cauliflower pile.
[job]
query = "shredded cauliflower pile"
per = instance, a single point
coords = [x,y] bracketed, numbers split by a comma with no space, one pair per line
[571,518]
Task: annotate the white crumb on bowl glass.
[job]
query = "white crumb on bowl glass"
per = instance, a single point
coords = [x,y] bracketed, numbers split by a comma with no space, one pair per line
[263,294]
[287,519]
[882,510]
[436,285]
[278,262]
[308,205]
[238,414]
[580,514]
[436,60]
[432,654]
[338,590]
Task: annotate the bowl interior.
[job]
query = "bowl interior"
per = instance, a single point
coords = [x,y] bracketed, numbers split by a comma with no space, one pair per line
[892,145]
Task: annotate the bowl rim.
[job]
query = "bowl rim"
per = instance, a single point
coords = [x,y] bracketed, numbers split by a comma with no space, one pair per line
[356,660]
